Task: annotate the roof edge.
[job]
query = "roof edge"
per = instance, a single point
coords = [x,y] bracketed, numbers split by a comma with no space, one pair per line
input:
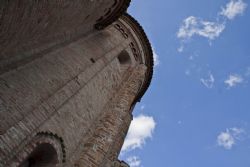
[115,15]
[148,53]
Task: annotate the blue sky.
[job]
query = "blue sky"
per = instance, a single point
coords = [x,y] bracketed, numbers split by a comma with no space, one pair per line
[197,110]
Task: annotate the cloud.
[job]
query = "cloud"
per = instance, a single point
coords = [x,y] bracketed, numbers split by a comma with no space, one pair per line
[134,161]
[233,80]
[180,49]
[156,58]
[233,9]
[195,26]
[229,138]
[226,140]
[209,82]
[141,128]
[192,26]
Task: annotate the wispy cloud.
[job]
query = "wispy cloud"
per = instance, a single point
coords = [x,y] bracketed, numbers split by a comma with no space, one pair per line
[208,82]
[134,161]
[195,26]
[180,49]
[141,128]
[192,26]
[233,9]
[156,58]
[228,138]
[233,80]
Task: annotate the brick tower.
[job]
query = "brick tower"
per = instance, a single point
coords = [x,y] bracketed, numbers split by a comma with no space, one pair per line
[71,72]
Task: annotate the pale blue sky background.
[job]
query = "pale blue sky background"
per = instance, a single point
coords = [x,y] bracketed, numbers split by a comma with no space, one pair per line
[197,110]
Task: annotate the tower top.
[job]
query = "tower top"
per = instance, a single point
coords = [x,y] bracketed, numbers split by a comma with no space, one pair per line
[145,50]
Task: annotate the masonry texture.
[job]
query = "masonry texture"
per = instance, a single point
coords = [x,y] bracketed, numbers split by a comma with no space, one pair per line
[71,72]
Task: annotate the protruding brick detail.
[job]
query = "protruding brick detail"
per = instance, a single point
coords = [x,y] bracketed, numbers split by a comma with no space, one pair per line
[100,146]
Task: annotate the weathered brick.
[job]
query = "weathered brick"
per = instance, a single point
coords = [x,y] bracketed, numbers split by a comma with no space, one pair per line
[62,85]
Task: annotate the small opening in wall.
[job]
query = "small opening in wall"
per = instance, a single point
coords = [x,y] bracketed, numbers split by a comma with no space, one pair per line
[92,60]
[44,155]
[124,58]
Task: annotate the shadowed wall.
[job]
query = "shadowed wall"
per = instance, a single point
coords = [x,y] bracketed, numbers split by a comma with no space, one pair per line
[66,87]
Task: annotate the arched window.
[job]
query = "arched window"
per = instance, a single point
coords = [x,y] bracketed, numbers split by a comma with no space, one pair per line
[124,58]
[44,155]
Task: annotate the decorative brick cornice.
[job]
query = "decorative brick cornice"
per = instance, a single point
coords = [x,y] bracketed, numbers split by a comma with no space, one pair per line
[57,138]
[113,13]
[147,52]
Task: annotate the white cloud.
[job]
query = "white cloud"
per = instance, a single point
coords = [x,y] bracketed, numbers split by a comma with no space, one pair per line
[209,82]
[156,58]
[134,161]
[237,132]
[229,138]
[180,49]
[225,140]
[233,9]
[233,80]
[141,128]
[195,26]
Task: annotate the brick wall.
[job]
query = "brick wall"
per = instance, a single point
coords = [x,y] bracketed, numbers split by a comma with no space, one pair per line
[58,91]
[62,84]
[109,133]
[31,27]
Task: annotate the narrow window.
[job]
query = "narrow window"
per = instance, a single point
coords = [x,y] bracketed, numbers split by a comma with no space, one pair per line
[92,60]
[124,58]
